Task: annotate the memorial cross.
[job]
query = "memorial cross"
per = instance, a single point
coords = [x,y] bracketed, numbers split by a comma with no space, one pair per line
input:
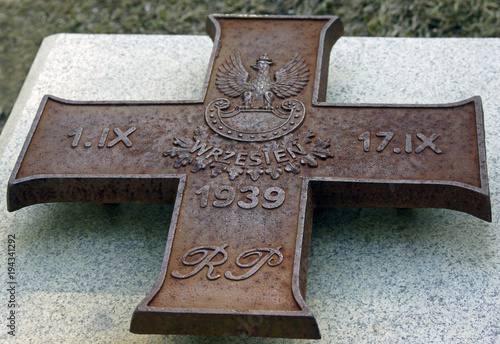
[245,166]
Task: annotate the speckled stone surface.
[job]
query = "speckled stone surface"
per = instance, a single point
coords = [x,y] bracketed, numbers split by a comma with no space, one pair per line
[375,275]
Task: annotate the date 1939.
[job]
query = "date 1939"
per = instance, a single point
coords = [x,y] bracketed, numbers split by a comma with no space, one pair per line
[225,196]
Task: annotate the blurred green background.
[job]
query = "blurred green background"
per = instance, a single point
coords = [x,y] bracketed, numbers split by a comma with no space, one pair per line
[24,23]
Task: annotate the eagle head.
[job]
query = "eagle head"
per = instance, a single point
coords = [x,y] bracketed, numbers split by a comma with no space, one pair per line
[262,62]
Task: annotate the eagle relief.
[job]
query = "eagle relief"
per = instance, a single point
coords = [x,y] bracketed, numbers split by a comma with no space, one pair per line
[257,118]
[252,122]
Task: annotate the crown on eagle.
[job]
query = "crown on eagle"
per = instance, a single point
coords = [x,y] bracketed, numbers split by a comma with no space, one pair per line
[265,58]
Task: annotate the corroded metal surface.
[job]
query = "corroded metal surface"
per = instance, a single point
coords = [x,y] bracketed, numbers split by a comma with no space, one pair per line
[245,166]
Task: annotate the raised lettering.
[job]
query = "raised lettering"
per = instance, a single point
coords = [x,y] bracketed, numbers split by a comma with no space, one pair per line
[252,197]
[228,156]
[256,263]
[240,159]
[428,142]
[204,195]
[255,157]
[280,156]
[225,196]
[266,155]
[203,148]
[77,133]
[408,144]
[123,137]
[276,197]
[204,260]
[365,137]
[388,137]
[216,152]
[291,151]
[104,136]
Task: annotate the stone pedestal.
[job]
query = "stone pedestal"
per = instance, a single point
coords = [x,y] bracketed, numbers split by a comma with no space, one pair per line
[375,275]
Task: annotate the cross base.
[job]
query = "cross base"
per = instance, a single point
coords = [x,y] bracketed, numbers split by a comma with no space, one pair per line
[213,323]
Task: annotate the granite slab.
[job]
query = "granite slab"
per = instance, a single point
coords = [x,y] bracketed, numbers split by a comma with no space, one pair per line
[375,275]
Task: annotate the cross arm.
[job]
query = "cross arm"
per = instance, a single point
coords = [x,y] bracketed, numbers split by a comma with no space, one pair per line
[405,156]
[102,152]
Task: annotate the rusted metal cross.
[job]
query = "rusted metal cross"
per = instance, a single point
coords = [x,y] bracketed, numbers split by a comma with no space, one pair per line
[245,167]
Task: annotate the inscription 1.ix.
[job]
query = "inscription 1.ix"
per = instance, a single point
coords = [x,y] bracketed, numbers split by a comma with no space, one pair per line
[120,137]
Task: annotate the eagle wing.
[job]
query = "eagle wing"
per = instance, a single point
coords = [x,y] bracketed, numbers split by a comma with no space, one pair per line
[291,78]
[232,77]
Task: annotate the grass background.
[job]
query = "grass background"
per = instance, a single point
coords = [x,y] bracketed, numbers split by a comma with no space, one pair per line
[24,23]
